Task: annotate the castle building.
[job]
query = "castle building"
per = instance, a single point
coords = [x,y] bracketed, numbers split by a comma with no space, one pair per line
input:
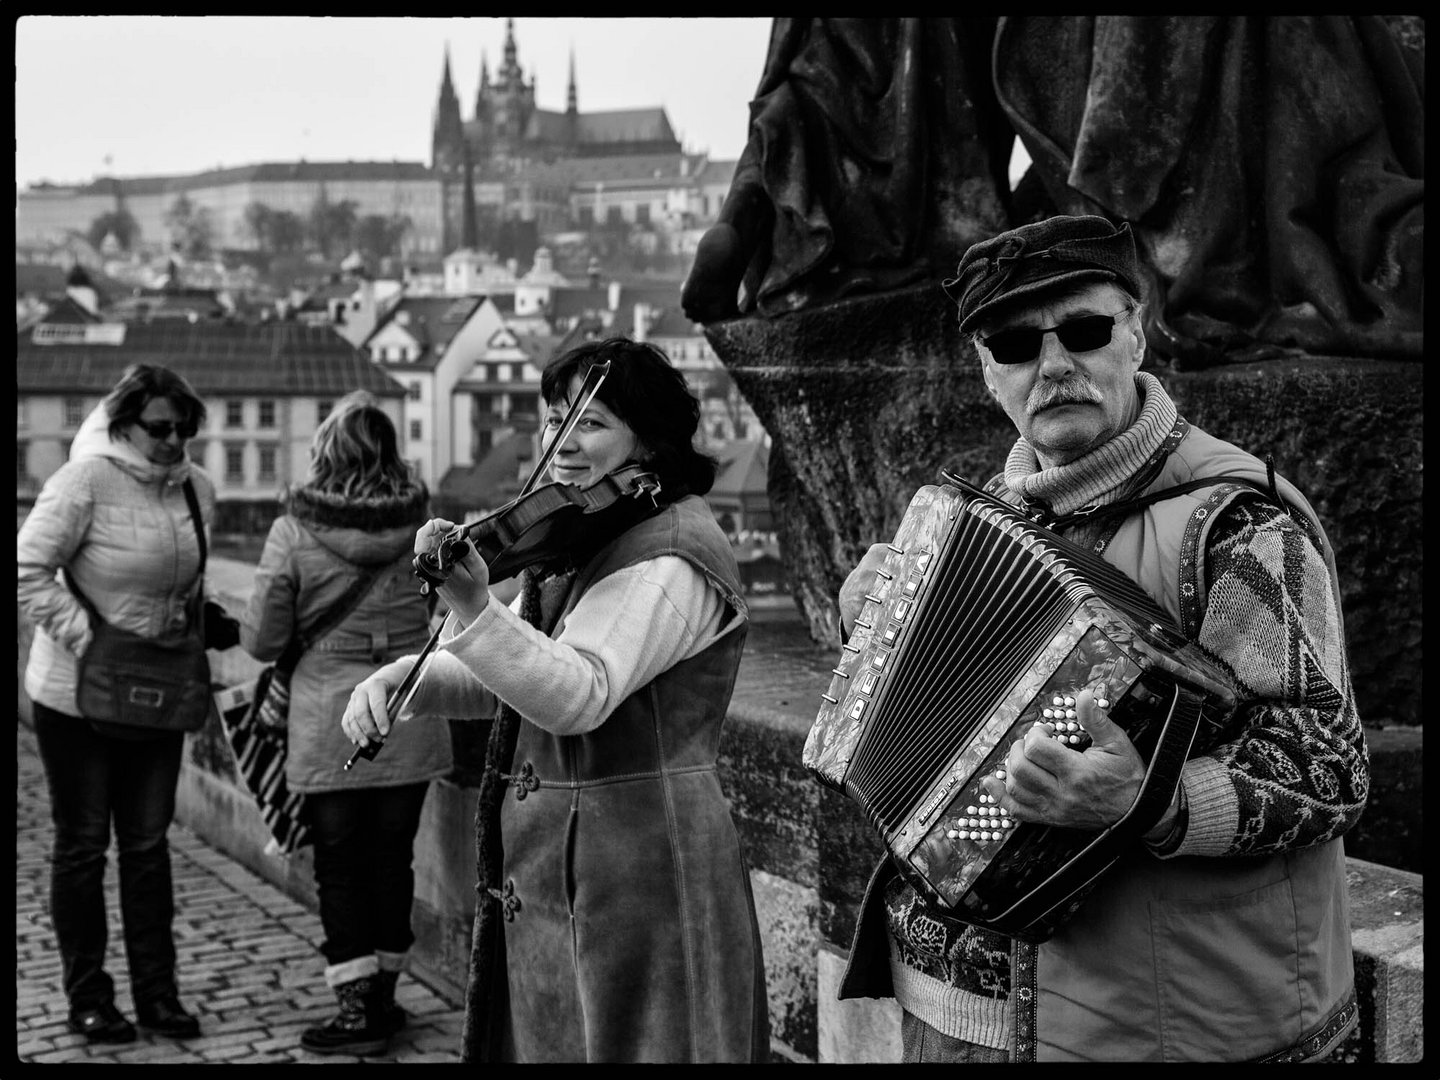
[514,162]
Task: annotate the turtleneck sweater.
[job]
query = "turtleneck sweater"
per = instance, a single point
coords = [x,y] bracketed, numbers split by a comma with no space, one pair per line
[1106,473]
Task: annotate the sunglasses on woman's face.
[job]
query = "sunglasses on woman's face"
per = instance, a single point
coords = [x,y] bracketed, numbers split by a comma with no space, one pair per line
[1021,345]
[161,429]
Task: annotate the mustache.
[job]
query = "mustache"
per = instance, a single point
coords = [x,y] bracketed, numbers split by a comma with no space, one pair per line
[1076,390]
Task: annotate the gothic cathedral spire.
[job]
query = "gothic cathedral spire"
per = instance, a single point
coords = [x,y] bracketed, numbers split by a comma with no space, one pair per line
[448,135]
[572,96]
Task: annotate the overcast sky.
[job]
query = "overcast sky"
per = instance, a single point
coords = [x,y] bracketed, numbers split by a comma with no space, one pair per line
[150,95]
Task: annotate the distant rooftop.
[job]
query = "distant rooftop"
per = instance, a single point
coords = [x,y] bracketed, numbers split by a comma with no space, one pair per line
[279,358]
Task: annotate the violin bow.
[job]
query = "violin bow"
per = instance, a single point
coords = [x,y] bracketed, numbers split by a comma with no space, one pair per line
[401,695]
[588,389]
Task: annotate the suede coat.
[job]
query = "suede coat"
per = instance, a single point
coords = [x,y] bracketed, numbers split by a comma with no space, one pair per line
[618,923]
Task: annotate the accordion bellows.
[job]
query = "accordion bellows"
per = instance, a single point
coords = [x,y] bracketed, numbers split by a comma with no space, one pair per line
[979,624]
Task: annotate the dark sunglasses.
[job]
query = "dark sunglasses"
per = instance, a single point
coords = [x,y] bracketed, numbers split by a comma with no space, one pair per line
[1021,345]
[161,429]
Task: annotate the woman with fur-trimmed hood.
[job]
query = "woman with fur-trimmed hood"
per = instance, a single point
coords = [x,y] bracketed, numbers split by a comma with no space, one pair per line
[356,513]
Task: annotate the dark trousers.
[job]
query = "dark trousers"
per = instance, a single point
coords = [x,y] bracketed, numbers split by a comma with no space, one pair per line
[364,853]
[94,780]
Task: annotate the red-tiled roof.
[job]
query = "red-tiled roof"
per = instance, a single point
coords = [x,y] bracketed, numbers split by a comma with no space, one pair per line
[743,467]
[47,279]
[717,172]
[625,125]
[494,480]
[671,322]
[623,167]
[283,359]
[569,301]
[433,320]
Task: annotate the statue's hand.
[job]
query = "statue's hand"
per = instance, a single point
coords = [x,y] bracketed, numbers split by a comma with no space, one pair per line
[711,291]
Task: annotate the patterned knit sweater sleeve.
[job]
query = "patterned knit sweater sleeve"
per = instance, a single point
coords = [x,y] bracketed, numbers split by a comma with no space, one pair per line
[1297,772]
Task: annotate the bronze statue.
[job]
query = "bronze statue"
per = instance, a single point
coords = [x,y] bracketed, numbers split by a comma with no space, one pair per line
[1272,168]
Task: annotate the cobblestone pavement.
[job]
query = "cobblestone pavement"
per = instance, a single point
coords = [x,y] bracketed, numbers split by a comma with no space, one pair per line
[249,967]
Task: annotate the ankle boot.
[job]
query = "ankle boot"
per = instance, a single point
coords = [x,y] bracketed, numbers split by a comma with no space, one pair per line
[356,1028]
[392,1016]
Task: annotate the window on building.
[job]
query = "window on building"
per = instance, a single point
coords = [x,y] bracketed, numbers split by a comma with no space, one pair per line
[74,411]
[267,464]
[267,413]
[234,463]
[502,372]
[415,430]
[22,413]
[234,414]
[322,410]
[642,213]
[414,391]
[613,216]
[587,216]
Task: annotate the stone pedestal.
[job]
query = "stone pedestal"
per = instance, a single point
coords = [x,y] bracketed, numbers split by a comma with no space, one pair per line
[867,399]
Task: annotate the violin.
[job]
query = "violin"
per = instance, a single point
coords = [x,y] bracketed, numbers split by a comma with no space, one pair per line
[538,525]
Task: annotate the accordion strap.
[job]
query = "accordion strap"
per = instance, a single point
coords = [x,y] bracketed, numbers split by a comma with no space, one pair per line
[1162,777]
[1126,506]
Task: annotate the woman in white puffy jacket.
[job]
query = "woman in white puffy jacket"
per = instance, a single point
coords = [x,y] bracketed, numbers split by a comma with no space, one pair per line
[115,516]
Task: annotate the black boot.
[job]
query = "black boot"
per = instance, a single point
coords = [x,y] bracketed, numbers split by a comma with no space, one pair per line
[355,1029]
[392,1016]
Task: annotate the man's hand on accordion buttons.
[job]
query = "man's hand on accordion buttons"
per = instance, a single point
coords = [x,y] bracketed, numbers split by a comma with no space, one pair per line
[1052,784]
[858,585]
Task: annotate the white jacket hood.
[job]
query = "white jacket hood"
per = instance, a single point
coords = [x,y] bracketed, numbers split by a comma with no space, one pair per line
[93,440]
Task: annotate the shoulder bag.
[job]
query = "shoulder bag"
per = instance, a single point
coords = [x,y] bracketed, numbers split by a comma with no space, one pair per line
[255,718]
[135,687]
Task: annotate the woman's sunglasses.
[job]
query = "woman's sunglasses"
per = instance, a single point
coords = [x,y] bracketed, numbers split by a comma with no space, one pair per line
[161,429]
[1021,345]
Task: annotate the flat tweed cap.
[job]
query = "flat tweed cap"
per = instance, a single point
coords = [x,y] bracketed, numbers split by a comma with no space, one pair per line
[1058,251]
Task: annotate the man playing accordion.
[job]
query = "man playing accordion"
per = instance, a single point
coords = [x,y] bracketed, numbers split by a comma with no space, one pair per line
[1224,934]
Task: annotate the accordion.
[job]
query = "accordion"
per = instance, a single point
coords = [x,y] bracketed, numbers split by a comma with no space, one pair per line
[979,624]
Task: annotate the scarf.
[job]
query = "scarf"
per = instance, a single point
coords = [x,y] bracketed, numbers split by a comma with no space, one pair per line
[541,595]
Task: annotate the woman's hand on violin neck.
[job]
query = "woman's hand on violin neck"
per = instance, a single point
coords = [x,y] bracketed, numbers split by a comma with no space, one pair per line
[462,583]
[429,535]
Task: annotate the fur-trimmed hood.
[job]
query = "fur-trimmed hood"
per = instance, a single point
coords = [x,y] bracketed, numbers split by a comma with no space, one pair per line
[365,530]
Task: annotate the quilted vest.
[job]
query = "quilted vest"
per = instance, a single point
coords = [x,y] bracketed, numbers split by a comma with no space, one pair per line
[1202,958]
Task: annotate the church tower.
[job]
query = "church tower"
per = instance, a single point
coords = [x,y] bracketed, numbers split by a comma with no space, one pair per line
[572,105]
[448,133]
[516,98]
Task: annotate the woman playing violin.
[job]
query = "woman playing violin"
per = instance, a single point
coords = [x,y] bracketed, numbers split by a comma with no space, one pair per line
[617,922]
